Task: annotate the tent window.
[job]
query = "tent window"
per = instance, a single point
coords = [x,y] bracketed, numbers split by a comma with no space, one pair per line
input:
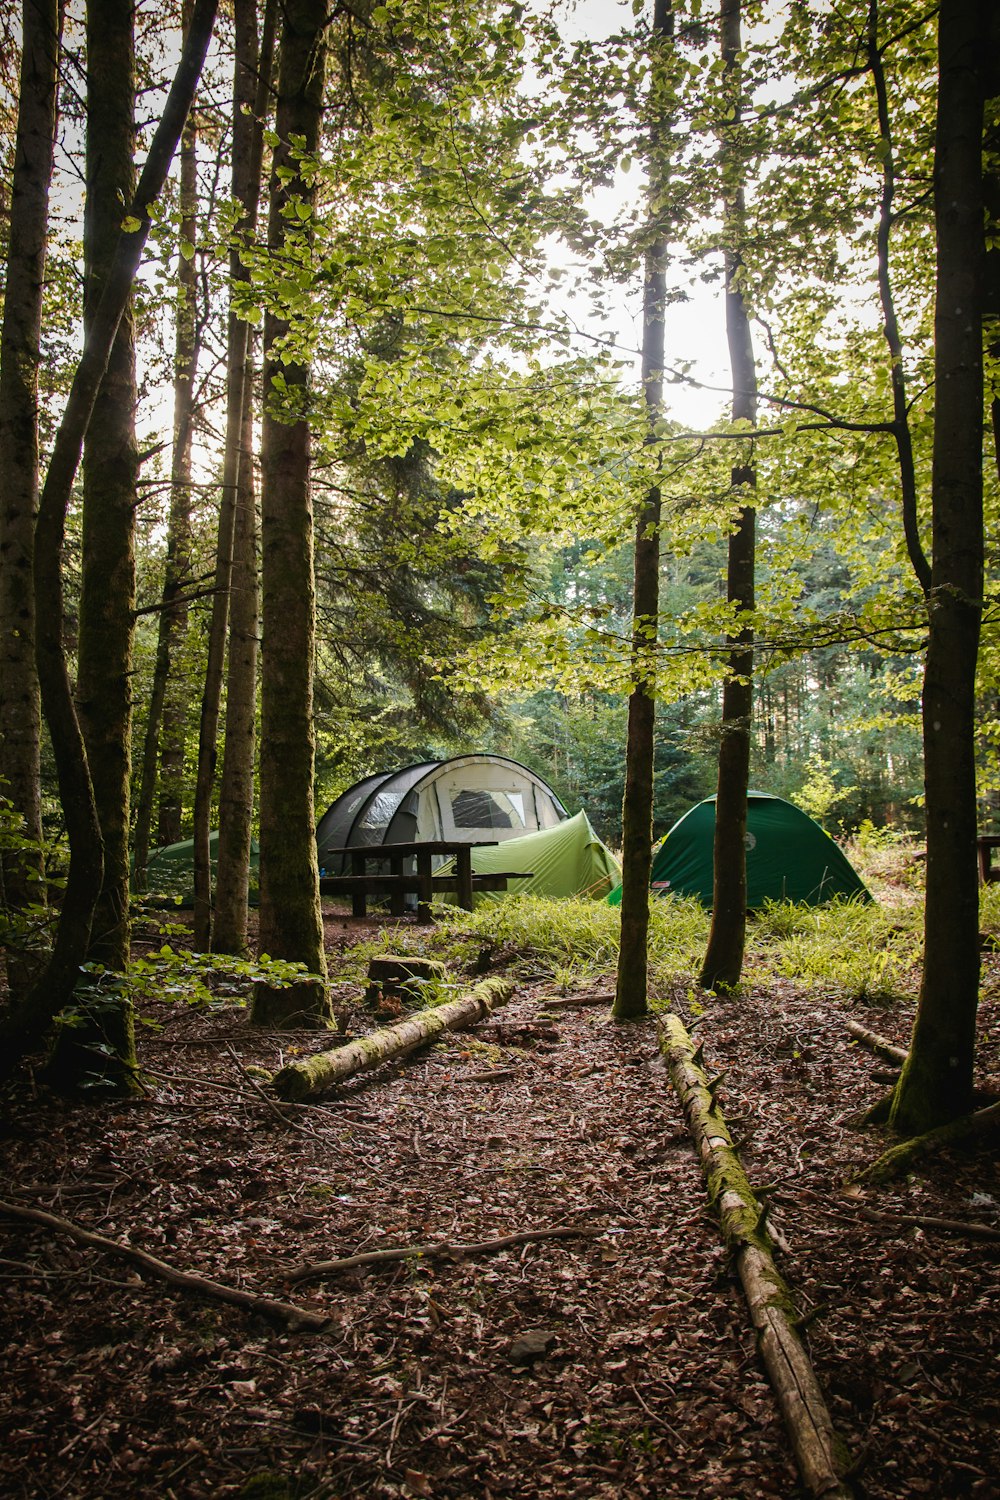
[479,809]
[379,814]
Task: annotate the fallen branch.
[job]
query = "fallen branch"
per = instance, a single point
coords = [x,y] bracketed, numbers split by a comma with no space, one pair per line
[929,1221]
[300,1080]
[743,1226]
[900,1158]
[588,997]
[295,1318]
[434,1248]
[880,1045]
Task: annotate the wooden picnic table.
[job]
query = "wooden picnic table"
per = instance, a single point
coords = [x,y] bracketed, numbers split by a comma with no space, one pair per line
[985,844]
[422,882]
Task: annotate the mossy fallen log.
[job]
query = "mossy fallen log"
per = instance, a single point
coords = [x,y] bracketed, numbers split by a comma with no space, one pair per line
[818,1451]
[300,1080]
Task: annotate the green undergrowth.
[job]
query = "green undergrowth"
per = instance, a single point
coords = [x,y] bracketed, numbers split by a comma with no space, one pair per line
[857,951]
[574,943]
[860,950]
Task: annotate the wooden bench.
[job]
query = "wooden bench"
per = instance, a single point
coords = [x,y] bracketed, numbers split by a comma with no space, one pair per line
[422,882]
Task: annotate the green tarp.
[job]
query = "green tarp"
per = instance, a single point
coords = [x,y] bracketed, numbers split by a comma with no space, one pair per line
[171,869]
[789,857]
[567,860]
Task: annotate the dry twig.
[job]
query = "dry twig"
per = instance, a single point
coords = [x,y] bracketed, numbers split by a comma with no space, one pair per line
[293,1317]
[433,1248]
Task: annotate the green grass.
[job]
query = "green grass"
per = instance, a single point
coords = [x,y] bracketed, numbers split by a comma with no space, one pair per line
[857,950]
[849,950]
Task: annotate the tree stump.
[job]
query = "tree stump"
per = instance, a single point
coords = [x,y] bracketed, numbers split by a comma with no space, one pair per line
[400,977]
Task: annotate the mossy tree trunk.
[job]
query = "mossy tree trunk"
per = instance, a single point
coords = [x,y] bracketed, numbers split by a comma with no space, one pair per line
[102,1042]
[250,93]
[291,925]
[20,702]
[723,963]
[936,1082]
[55,988]
[637,807]
[110,468]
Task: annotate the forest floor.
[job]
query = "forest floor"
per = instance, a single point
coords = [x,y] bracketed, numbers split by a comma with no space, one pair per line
[646,1382]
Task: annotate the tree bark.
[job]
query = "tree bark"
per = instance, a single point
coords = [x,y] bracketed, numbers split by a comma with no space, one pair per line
[723,963]
[110,469]
[54,989]
[291,925]
[163,740]
[20,702]
[101,1042]
[232,881]
[301,1080]
[936,1082]
[742,1221]
[637,805]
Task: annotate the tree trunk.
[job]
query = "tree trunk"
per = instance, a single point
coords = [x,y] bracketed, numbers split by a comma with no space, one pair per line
[166,718]
[54,989]
[890,323]
[723,962]
[20,704]
[936,1081]
[321,1071]
[250,90]
[110,465]
[291,924]
[101,1042]
[637,805]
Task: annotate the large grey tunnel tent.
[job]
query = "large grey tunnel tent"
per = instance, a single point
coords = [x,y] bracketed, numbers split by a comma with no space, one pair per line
[471,798]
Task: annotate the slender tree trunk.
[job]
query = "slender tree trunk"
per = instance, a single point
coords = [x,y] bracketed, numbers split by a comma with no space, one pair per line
[102,1040]
[637,805]
[936,1081]
[110,467]
[890,323]
[54,989]
[166,716]
[291,925]
[723,962]
[20,704]
[250,91]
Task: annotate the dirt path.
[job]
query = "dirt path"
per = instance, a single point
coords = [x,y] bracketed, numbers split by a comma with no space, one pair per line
[111,1385]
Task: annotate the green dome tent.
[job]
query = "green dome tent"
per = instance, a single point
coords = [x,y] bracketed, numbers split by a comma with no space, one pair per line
[789,857]
[567,860]
[170,871]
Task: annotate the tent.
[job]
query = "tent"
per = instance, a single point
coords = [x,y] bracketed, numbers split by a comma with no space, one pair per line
[568,860]
[170,871]
[471,798]
[789,857]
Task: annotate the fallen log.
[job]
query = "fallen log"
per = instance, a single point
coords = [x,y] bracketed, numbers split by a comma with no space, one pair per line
[880,1045]
[433,1248]
[900,1158]
[301,1080]
[293,1317]
[742,1217]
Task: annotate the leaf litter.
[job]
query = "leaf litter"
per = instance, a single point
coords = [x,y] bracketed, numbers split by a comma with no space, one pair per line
[616,1363]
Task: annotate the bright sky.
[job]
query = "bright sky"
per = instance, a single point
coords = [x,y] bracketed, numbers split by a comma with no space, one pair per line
[695,329]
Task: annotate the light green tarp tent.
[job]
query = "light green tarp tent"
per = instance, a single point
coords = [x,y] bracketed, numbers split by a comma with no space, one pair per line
[171,869]
[789,857]
[567,860]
